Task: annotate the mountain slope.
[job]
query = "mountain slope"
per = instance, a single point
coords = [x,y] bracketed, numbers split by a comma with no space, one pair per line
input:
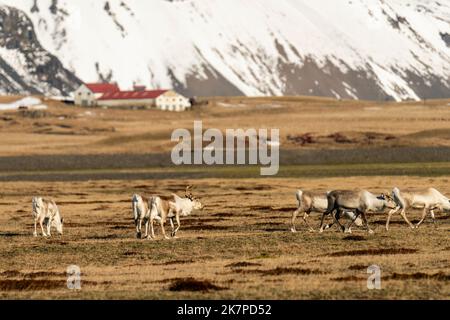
[25,67]
[398,49]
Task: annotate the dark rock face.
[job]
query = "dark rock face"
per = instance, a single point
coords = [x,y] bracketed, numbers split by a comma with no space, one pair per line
[25,66]
[329,81]
[446,38]
[213,85]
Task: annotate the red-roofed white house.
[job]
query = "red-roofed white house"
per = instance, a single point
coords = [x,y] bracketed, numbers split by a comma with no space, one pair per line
[110,95]
[88,93]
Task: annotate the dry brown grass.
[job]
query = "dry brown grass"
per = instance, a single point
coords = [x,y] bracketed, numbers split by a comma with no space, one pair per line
[238,247]
[331,124]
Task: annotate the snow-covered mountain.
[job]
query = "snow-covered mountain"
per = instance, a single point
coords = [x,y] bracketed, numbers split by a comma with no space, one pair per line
[371,49]
[25,66]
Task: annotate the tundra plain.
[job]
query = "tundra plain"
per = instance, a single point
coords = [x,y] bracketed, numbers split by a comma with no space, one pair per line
[240,245]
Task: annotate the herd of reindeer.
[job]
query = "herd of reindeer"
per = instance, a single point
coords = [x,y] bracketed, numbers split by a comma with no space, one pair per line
[353,205]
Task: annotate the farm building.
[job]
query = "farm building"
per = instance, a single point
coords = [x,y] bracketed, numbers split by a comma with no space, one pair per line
[172,101]
[88,94]
[110,95]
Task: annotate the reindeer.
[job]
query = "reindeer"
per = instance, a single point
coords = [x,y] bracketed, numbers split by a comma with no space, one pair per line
[141,213]
[315,202]
[429,199]
[362,201]
[47,213]
[163,208]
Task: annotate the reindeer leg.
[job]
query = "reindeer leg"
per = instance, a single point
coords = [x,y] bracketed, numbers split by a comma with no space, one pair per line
[329,225]
[48,228]
[363,215]
[139,228]
[403,214]
[178,225]
[321,220]
[424,214]
[146,228]
[336,217]
[294,216]
[163,230]
[305,219]
[433,217]
[391,212]
[172,234]
[152,229]
[348,229]
[136,223]
[42,228]
[35,225]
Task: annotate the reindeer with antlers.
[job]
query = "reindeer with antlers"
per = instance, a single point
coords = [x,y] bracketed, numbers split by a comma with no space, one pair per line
[162,209]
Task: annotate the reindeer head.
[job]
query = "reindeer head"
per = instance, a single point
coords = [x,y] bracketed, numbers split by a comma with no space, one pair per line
[196,204]
[58,221]
[36,205]
[188,192]
[388,200]
[58,224]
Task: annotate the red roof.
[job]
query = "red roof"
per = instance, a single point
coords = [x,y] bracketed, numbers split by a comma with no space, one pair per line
[102,87]
[131,95]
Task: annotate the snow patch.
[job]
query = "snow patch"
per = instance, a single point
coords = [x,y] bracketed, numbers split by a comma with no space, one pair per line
[27,102]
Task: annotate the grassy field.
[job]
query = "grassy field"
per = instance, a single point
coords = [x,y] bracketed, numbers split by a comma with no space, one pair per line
[239,246]
[304,123]
[422,169]
[91,161]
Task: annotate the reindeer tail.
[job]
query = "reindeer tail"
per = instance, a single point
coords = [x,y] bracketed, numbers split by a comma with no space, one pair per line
[135,201]
[153,207]
[298,195]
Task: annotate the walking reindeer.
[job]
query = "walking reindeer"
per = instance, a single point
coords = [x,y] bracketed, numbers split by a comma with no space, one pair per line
[309,202]
[148,209]
[430,200]
[362,201]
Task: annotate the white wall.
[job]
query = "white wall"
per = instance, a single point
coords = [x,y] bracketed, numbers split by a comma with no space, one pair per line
[127,103]
[172,101]
[84,97]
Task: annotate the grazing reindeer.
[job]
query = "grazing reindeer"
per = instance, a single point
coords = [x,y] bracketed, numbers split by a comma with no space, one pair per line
[315,202]
[429,199]
[163,208]
[47,213]
[361,201]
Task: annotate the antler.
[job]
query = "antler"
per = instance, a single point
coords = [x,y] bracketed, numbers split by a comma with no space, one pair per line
[188,193]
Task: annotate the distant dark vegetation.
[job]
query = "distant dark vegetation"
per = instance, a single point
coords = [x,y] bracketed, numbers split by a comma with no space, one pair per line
[293,163]
[366,138]
[287,157]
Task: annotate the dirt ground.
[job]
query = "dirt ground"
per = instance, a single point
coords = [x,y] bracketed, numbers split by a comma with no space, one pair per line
[239,246]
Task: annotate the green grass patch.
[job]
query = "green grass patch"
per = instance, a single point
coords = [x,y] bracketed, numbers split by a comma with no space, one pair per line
[433,169]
